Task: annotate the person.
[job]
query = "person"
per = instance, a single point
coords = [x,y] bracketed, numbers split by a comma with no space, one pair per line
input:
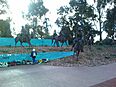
[33,55]
[54,34]
[79,33]
[76,47]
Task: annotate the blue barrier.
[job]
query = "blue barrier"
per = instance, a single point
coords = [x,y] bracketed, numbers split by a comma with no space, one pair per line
[34,42]
[41,55]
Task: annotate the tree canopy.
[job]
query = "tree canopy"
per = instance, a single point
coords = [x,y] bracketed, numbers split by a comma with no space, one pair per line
[5,29]
[77,14]
[35,13]
[88,16]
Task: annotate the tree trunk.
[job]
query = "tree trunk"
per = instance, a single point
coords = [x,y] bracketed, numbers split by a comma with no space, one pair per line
[100,23]
[100,30]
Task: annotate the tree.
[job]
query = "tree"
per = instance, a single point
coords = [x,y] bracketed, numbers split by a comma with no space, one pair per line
[110,23]
[46,25]
[5,29]
[35,13]
[82,15]
[100,9]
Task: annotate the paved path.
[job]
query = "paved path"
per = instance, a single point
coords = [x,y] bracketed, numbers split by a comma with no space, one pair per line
[108,83]
[51,76]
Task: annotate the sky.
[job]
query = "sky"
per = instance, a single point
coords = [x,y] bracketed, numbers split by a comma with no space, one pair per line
[18,6]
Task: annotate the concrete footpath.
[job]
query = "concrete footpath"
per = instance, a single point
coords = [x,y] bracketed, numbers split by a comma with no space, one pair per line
[53,76]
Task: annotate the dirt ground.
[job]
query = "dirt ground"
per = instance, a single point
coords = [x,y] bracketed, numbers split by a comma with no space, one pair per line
[16,50]
[96,56]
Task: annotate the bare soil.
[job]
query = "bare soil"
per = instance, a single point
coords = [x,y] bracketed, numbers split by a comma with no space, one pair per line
[96,56]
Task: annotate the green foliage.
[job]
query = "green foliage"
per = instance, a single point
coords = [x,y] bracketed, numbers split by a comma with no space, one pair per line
[86,16]
[63,10]
[82,16]
[5,29]
[104,42]
[110,23]
[107,41]
[61,21]
[46,25]
[36,11]
[37,8]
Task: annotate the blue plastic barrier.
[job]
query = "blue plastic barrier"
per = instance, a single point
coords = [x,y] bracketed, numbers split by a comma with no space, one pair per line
[34,42]
[46,55]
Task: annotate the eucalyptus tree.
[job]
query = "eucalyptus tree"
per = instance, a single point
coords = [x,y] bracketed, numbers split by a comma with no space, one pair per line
[35,13]
[84,14]
[77,14]
[101,5]
[110,23]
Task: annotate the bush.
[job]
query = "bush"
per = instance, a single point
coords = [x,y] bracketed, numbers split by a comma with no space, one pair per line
[107,41]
